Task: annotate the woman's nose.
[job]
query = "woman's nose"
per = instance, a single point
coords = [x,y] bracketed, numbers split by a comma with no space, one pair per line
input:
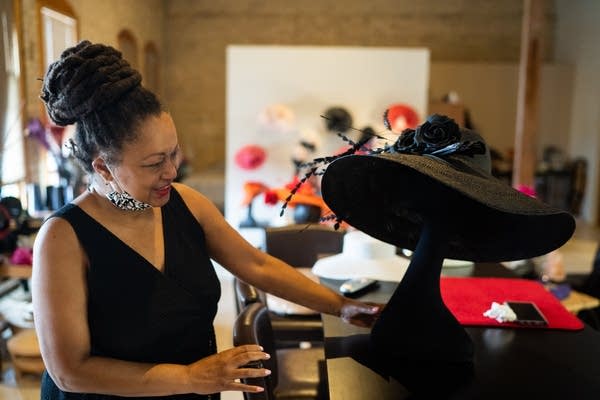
[170,171]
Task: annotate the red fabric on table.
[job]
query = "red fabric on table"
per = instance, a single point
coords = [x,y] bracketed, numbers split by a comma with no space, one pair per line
[469,298]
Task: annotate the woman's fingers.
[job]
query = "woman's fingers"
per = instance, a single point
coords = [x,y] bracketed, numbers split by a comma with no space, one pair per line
[252,373]
[241,387]
[244,355]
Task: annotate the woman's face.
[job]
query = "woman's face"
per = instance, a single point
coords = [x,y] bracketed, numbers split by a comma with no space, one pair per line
[149,164]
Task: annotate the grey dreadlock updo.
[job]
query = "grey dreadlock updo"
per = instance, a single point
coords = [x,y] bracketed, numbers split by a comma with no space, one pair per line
[91,85]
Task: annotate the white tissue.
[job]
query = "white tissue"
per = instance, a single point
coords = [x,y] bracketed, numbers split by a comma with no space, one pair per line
[501,312]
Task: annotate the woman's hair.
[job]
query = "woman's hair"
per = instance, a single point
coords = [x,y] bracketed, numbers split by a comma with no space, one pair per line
[93,86]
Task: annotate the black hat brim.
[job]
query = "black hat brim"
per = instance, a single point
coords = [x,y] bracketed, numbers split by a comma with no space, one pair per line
[389,195]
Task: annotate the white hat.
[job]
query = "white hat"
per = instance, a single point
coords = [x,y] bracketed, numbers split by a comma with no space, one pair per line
[366,257]
[363,256]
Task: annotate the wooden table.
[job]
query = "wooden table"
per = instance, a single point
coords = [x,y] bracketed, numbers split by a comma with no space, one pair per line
[8,270]
[508,363]
[577,301]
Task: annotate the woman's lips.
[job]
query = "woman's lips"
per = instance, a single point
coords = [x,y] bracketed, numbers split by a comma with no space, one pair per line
[163,191]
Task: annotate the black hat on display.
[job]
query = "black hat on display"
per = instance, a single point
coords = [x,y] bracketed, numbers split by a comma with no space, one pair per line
[441,171]
[337,119]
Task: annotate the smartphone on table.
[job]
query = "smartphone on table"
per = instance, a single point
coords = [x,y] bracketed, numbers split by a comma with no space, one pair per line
[527,313]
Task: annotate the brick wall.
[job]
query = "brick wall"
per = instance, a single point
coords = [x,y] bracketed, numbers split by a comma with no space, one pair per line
[192,36]
[198,32]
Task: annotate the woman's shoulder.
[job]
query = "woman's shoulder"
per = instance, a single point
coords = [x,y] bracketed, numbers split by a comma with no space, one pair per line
[56,232]
[56,225]
[198,204]
[186,191]
[190,195]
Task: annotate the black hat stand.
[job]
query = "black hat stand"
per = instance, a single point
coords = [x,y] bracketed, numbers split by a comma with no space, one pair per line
[418,340]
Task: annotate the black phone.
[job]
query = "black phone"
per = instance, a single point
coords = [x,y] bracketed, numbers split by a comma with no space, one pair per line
[527,313]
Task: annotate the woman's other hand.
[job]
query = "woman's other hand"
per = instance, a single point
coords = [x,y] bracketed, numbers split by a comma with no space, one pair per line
[223,370]
[359,313]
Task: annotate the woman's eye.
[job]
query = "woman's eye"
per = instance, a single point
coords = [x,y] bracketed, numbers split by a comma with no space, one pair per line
[156,165]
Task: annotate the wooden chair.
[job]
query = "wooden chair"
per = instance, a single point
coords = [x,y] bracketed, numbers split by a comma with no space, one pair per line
[289,330]
[295,373]
[245,294]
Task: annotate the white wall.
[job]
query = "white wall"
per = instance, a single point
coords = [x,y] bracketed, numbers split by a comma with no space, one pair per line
[577,34]
[309,80]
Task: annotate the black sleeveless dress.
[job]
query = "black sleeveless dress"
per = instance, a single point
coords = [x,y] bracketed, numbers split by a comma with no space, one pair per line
[138,313]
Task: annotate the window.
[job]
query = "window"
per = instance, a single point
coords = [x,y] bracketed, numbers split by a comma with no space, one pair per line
[12,156]
[58,32]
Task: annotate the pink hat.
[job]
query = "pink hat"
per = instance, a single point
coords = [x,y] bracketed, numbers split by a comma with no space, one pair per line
[250,157]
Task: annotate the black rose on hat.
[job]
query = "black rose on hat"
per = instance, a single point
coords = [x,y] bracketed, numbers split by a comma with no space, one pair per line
[436,133]
[439,135]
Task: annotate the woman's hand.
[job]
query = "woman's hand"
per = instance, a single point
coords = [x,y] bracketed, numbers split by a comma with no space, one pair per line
[222,371]
[359,313]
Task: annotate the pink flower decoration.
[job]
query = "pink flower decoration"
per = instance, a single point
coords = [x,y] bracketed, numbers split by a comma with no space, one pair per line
[250,157]
[527,190]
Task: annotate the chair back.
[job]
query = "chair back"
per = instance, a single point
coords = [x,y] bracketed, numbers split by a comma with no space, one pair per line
[245,294]
[253,326]
[301,245]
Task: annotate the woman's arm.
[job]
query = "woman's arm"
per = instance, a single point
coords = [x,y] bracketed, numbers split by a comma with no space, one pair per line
[60,315]
[268,273]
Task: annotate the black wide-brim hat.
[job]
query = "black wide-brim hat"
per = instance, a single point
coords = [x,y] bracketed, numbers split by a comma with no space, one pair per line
[442,172]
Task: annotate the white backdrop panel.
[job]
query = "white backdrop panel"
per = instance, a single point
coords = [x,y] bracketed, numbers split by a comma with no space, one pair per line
[309,80]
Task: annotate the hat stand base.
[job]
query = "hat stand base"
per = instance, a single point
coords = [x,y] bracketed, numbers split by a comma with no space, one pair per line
[417,338]
[249,222]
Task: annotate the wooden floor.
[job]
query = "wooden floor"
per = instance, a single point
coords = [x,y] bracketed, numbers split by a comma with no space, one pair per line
[578,254]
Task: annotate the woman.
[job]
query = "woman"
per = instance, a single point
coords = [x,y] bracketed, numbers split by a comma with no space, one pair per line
[124,290]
